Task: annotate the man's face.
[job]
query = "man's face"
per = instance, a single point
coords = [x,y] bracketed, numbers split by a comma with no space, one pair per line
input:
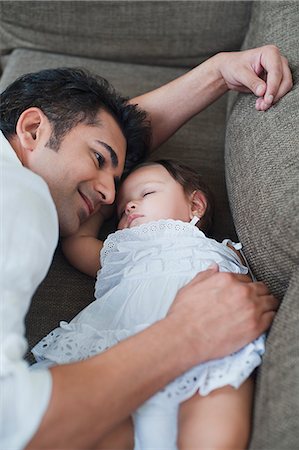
[150,193]
[82,174]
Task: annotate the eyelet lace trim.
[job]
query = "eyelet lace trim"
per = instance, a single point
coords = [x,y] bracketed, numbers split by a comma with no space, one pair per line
[156,228]
[76,345]
[70,343]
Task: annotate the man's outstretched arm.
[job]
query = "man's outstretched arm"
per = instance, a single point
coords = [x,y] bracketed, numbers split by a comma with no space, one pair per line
[215,314]
[263,71]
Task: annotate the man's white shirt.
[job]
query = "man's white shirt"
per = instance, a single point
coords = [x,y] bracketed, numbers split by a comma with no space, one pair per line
[28,238]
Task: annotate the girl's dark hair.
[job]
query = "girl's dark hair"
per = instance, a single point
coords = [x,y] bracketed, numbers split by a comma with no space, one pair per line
[69,96]
[191,181]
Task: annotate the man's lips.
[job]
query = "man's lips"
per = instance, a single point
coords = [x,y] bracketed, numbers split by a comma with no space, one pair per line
[132,217]
[88,203]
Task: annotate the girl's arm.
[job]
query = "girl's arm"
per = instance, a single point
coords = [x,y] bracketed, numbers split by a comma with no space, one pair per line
[82,249]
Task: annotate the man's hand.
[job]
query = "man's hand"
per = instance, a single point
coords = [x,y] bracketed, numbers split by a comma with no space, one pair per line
[222,311]
[263,71]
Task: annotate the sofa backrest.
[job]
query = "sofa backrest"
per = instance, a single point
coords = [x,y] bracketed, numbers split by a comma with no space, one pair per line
[127,31]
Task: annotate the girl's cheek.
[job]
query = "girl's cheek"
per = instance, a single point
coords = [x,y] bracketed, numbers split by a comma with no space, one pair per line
[121,224]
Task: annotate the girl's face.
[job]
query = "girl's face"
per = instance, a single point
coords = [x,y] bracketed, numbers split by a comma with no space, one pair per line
[150,193]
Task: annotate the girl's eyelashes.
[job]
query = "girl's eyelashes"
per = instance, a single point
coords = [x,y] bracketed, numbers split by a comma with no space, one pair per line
[148,193]
[100,159]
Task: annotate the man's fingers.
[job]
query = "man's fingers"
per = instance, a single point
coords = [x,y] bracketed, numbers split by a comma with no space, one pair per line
[266,320]
[261,288]
[272,64]
[250,80]
[279,80]
[201,276]
[242,277]
[270,303]
[287,81]
[261,105]
[263,71]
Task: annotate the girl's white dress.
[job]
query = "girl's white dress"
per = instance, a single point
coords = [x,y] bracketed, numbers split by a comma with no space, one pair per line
[142,269]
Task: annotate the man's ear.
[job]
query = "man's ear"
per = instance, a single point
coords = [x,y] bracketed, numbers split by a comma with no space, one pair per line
[198,204]
[30,126]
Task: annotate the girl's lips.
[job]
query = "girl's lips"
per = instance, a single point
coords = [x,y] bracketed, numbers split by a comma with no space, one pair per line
[88,203]
[132,217]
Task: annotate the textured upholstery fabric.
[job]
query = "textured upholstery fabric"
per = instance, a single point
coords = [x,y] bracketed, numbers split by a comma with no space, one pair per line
[276,410]
[175,33]
[262,169]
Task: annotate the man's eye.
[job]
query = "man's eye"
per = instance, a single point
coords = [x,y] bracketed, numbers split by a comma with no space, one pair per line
[100,159]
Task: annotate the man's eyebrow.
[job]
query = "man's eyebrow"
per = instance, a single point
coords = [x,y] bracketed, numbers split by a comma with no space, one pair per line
[113,155]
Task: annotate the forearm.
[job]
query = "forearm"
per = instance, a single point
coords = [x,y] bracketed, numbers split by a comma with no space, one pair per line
[173,104]
[91,397]
[83,248]
[170,106]
[83,253]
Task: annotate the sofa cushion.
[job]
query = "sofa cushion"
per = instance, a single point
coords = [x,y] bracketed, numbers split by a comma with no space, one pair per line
[276,412]
[176,33]
[199,143]
[262,170]
[262,158]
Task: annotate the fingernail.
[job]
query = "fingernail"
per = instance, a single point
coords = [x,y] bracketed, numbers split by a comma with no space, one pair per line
[260,90]
[212,266]
[269,99]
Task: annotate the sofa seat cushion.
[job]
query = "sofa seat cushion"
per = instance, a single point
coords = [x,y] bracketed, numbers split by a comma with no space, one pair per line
[169,33]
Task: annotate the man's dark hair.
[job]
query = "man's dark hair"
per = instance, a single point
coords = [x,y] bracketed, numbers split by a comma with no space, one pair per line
[69,96]
[191,181]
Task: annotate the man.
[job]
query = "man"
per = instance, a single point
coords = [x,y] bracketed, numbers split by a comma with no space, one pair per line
[65,144]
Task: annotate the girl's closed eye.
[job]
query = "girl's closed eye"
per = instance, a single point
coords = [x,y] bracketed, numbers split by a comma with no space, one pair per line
[148,193]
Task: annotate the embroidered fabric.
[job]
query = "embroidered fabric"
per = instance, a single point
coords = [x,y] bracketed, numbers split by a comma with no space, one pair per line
[168,245]
[142,270]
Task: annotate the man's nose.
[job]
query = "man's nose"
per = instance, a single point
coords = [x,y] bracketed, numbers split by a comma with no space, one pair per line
[106,188]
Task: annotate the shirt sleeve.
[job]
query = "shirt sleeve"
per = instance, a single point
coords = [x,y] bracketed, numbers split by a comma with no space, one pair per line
[28,237]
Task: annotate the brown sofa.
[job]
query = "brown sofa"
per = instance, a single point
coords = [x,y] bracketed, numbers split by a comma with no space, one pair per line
[138,45]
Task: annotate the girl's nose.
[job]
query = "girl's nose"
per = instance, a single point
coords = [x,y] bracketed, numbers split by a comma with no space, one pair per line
[129,206]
